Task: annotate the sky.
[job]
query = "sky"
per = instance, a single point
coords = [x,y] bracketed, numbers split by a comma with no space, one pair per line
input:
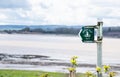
[59,12]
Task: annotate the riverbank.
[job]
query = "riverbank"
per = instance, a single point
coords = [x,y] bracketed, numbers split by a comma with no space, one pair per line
[36,62]
[27,62]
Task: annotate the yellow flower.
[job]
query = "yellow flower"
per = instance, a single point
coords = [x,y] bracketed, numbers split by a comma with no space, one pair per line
[73,60]
[89,74]
[98,69]
[112,74]
[71,69]
[106,68]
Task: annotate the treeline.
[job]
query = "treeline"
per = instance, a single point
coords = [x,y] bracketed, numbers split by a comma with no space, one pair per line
[107,31]
[111,32]
[28,30]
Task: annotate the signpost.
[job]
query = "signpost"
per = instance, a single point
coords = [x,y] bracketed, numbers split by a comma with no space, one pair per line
[87,35]
[99,46]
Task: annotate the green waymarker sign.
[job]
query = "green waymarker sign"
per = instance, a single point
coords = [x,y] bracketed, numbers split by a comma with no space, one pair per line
[87,34]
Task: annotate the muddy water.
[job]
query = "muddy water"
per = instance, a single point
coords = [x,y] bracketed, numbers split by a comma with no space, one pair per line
[60,47]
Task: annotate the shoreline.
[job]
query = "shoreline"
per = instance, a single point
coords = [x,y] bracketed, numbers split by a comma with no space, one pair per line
[44,61]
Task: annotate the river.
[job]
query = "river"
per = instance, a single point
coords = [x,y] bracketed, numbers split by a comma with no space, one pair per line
[57,48]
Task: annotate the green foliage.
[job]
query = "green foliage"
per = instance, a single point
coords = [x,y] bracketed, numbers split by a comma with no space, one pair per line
[89,74]
[44,75]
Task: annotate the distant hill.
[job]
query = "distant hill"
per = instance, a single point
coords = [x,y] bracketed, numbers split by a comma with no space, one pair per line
[44,27]
[11,27]
[54,29]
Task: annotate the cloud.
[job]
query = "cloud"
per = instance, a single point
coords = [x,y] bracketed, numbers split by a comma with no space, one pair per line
[14,4]
[106,3]
[19,16]
[64,12]
[60,12]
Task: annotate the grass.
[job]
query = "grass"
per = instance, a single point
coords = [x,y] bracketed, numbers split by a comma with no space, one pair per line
[24,73]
